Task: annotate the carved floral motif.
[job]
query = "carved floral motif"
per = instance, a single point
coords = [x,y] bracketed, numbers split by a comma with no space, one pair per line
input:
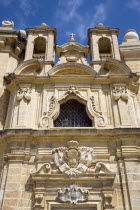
[120,92]
[73,194]
[24,93]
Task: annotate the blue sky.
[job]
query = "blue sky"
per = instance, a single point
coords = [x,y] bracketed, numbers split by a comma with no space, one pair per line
[75,16]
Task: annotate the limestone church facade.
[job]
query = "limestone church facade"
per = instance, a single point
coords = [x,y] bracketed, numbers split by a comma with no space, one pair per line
[70,130]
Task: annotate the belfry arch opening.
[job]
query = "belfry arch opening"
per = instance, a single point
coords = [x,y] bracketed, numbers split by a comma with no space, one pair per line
[104,48]
[39,47]
[73,114]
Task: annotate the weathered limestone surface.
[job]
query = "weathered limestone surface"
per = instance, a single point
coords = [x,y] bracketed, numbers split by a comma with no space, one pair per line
[52,162]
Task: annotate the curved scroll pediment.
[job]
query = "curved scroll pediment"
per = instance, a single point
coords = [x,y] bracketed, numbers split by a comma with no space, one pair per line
[72,68]
[29,67]
[114,67]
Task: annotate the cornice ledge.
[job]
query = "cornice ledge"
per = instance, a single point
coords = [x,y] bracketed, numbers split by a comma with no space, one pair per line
[72,131]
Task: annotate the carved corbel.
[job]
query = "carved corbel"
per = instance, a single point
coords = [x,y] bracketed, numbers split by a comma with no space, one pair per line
[24,92]
[107,200]
[38,202]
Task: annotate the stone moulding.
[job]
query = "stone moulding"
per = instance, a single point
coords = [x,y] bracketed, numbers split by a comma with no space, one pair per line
[72,194]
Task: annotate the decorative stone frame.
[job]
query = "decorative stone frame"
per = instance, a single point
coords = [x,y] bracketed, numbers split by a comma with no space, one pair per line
[96,116]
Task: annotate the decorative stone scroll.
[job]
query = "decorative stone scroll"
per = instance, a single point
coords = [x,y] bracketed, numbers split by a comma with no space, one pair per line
[46,115]
[24,92]
[73,161]
[73,194]
[99,114]
[120,92]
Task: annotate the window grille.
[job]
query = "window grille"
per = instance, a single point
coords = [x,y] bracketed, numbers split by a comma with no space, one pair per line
[72,114]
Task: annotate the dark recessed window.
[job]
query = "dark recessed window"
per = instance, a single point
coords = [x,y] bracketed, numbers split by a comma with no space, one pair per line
[73,114]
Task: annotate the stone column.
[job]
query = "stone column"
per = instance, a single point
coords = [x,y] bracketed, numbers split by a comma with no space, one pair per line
[94,48]
[116,47]
[50,48]
[29,47]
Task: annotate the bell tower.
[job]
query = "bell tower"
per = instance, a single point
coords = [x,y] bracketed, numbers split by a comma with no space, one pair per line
[41,44]
[103,43]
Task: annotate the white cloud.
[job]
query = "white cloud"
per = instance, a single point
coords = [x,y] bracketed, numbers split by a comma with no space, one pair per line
[28,7]
[6,2]
[79,19]
[134,4]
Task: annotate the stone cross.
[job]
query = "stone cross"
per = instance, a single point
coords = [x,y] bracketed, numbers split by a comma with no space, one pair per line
[72,36]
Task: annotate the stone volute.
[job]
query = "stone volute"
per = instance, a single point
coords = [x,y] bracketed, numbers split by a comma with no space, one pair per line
[72,52]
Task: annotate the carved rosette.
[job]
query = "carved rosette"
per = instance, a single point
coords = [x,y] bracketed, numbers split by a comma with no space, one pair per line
[73,194]
[120,92]
[24,92]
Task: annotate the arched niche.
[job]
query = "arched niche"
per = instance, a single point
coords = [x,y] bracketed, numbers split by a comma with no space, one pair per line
[39,45]
[104,47]
[39,48]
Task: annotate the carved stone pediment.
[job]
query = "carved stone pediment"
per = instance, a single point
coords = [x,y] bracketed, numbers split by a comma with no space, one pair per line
[72,194]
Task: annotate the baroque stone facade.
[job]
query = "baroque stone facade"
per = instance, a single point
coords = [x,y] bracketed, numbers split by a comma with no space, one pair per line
[70,130]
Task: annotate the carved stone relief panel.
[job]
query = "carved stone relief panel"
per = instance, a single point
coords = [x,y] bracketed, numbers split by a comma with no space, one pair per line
[73,161]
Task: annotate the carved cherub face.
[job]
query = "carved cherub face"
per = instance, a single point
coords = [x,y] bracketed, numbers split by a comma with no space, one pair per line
[72,157]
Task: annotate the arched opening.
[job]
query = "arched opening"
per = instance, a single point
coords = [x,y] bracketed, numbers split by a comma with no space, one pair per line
[39,47]
[104,48]
[73,114]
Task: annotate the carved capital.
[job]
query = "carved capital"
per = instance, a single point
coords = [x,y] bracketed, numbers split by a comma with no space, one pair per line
[24,92]
[120,91]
